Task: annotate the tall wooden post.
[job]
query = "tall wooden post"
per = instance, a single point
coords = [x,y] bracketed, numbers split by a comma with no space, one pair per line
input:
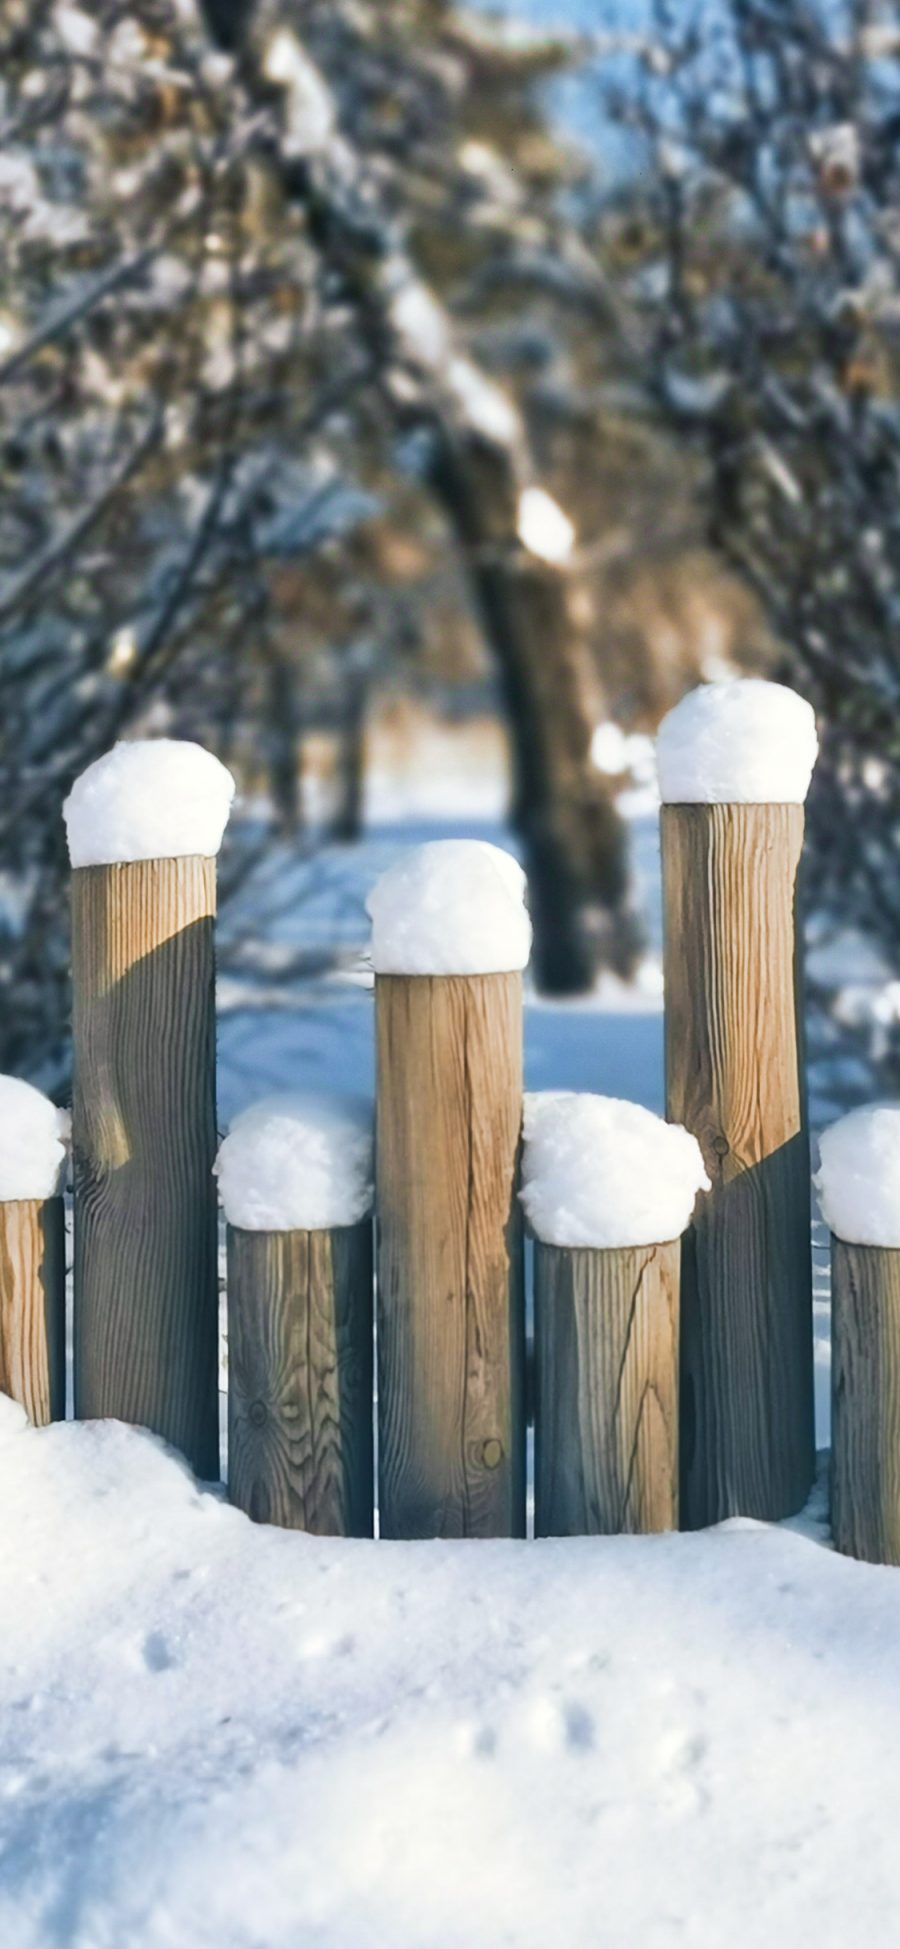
[144,1138]
[450,1292]
[300,1408]
[865,1411]
[33,1306]
[734,1076]
[606,1389]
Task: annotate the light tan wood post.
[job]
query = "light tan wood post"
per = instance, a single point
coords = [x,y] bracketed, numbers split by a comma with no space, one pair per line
[33,1306]
[300,1407]
[734,1076]
[865,1411]
[606,1389]
[450,1289]
[144,1139]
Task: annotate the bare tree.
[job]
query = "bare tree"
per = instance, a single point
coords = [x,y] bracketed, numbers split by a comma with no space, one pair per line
[763,241]
[248,257]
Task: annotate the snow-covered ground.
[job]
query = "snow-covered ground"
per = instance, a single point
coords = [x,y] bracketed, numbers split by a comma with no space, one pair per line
[213,1734]
[226,1736]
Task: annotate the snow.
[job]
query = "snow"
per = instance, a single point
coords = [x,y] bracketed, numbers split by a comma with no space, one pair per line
[453,906]
[747,742]
[484,405]
[301,1162]
[212,1733]
[235,1737]
[77,31]
[601,1172]
[310,112]
[609,748]
[421,323]
[858,1180]
[543,528]
[32,1142]
[153,798]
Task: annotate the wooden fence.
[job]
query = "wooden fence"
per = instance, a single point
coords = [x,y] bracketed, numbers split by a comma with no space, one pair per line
[718,1333]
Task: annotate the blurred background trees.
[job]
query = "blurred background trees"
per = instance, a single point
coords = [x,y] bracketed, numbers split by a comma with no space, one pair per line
[761,251]
[331,370]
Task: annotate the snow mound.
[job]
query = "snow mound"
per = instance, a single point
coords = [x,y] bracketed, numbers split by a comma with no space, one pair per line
[858,1179]
[742,743]
[32,1142]
[298,1163]
[153,798]
[601,1172]
[694,1737]
[452,907]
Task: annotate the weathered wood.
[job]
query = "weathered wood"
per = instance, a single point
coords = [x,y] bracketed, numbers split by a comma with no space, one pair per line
[865,1401]
[606,1389]
[300,1356]
[144,1139]
[734,1076]
[33,1306]
[451,1351]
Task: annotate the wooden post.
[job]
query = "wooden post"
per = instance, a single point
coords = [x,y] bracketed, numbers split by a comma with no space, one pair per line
[734,1076]
[450,1291]
[33,1306]
[865,1389]
[300,1407]
[606,1389]
[144,1139]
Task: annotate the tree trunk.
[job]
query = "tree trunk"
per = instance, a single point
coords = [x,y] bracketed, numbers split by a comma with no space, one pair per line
[283,739]
[348,817]
[574,842]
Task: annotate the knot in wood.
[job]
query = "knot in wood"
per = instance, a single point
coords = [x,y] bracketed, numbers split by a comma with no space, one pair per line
[492,1453]
[258,1414]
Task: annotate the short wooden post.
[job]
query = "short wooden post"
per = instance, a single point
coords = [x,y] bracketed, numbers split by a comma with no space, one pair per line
[300,1408]
[606,1389]
[33,1306]
[144,1139]
[734,1076]
[451,1350]
[865,1412]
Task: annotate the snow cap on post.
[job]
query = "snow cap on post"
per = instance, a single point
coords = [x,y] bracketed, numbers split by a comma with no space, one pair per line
[743,743]
[152,798]
[298,1163]
[451,907]
[32,1142]
[600,1172]
[858,1179]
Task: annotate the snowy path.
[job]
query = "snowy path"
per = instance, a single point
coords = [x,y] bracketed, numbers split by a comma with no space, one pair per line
[227,1736]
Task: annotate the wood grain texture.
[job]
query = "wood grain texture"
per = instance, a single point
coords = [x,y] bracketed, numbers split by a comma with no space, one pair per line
[734,1076]
[144,1139]
[300,1360]
[451,1352]
[606,1390]
[865,1401]
[33,1307]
